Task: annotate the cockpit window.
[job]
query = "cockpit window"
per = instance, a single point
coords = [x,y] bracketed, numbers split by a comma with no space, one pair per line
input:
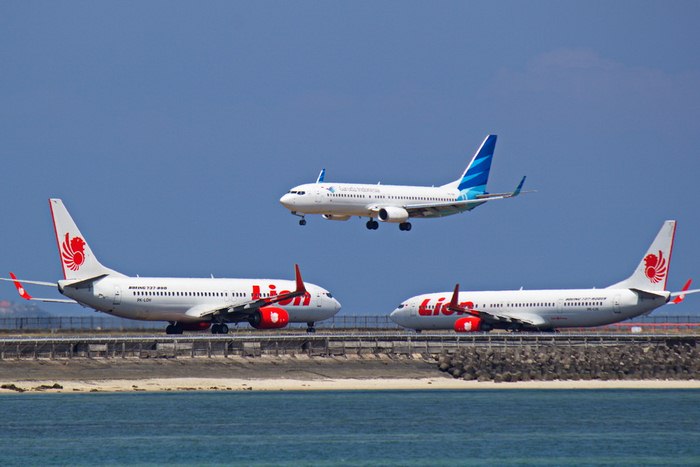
[401,306]
[295,192]
[330,295]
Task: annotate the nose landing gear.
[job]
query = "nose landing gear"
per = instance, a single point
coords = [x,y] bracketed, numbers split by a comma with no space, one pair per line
[302,221]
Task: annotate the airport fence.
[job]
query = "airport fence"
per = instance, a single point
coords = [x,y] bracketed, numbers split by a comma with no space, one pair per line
[104,323]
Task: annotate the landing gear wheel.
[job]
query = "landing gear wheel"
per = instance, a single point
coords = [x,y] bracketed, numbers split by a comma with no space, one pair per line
[173,329]
[405,226]
[310,327]
[372,224]
[302,221]
[215,328]
[223,329]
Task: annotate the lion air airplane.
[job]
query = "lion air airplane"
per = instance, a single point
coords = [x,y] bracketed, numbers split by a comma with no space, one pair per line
[188,304]
[547,310]
[396,204]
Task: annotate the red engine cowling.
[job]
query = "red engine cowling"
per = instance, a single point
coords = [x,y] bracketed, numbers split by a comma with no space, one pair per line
[470,324]
[269,317]
[201,326]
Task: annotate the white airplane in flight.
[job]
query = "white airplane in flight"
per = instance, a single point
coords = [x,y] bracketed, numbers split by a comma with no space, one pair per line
[188,304]
[547,310]
[395,203]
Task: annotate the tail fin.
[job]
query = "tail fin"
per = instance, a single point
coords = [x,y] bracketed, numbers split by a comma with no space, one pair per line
[321,176]
[475,176]
[652,272]
[77,259]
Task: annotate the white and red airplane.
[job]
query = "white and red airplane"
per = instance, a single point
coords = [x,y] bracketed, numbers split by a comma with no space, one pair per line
[398,203]
[547,310]
[188,304]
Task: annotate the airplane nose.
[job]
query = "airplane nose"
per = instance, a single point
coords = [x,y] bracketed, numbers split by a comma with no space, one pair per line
[336,305]
[395,316]
[287,200]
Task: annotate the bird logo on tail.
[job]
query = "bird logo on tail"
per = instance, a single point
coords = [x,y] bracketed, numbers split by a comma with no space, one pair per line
[73,252]
[655,267]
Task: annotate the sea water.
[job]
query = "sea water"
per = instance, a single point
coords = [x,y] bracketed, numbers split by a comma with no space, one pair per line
[433,427]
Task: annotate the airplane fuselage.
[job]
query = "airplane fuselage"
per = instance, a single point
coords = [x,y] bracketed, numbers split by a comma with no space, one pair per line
[170,299]
[551,309]
[351,199]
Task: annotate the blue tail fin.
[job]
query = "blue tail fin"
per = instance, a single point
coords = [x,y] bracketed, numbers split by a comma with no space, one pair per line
[476,174]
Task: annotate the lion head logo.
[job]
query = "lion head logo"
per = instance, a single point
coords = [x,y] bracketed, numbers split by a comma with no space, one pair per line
[655,267]
[73,252]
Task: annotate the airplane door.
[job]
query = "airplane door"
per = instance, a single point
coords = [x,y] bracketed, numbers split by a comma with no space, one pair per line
[318,299]
[616,304]
[560,305]
[318,196]
[117,296]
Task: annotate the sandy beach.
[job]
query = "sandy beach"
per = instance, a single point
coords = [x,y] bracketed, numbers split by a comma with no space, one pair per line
[264,374]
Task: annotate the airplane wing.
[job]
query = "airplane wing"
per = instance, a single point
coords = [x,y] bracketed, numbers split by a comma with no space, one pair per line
[526,319]
[454,207]
[25,295]
[242,311]
[680,296]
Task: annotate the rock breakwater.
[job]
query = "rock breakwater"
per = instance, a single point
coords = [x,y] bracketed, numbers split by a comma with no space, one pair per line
[675,360]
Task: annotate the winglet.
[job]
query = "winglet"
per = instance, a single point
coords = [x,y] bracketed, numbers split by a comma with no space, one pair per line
[301,288]
[518,188]
[20,289]
[454,302]
[681,296]
[321,176]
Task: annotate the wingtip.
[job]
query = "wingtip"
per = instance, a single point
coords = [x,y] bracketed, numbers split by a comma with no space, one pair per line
[299,281]
[20,289]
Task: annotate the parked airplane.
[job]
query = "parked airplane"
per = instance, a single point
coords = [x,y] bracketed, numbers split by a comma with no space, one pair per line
[547,310]
[188,304]
[394,203]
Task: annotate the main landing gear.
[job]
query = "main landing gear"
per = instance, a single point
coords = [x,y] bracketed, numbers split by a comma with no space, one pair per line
[372,224]
[302,221]
[173,328]
[405,226]
[219,328]
[310,327]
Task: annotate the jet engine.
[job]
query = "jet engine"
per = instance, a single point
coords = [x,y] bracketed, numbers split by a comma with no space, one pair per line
[393,214]
[470,324]
[335,217]
[269,317]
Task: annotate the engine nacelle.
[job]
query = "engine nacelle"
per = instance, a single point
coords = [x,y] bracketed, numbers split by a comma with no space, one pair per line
[393,214]
[269,317]
[335,217]
[470,324]
[200,326]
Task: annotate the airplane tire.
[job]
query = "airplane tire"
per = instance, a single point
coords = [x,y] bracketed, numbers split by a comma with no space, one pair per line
[302,222]
[405,226]
[215,329]
[223,329]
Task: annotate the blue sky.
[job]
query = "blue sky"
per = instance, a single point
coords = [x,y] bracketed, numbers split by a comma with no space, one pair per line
[171,129]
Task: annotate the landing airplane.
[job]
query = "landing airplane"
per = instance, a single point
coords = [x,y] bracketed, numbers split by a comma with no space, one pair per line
[187,304]
[394,203]
[547,310]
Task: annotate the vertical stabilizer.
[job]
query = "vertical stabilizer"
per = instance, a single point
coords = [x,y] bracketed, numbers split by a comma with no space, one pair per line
[652,272]
[77,259]
[473,180]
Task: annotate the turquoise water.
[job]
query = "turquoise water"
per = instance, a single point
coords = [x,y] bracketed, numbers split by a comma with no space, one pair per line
[479,427]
